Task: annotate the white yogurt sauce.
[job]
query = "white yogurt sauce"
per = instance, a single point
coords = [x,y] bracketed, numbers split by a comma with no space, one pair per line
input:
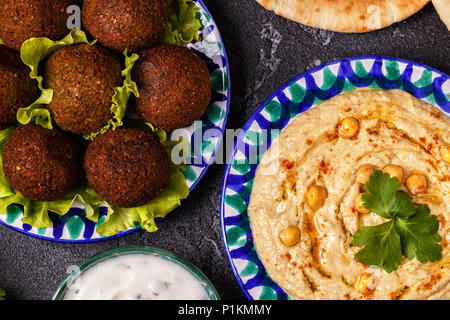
[137,277]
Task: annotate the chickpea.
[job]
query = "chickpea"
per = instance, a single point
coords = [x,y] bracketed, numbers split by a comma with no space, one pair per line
[316,197]
[445,153]
[359,204]
[290,236]
[363,188]
[394,171]
[364,284]
[417,183]
[349,127]
[364,172]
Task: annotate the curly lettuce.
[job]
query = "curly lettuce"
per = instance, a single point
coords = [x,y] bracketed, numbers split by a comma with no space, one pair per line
[183,25]
[2,292]
[35,50]
[121,96]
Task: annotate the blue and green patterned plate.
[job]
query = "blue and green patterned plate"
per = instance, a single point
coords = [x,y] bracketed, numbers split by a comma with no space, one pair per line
[74,227]
[294,98]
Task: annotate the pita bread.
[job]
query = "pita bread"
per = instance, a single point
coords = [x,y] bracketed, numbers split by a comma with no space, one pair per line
[346,15]
[443,8]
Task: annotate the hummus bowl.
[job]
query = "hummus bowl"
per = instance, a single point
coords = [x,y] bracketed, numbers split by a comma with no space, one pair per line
[292,143]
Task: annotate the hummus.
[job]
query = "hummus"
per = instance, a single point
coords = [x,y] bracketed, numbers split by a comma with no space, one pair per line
[318,261]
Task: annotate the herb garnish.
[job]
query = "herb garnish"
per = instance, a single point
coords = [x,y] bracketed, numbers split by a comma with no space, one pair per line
[410,232]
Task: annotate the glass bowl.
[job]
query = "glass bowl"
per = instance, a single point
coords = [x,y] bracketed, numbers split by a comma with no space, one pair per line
[77,272]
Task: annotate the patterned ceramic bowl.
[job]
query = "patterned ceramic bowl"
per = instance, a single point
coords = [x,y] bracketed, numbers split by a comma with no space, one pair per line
[294,98]
[129,250]
[74,227]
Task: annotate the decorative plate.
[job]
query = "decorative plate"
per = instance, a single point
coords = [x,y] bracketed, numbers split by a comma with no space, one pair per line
[74,227]
[294,98]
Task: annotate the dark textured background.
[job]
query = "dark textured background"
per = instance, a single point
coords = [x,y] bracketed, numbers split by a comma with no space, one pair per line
[265,51]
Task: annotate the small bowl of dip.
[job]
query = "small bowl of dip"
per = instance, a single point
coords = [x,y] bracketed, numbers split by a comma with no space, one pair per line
[136,273]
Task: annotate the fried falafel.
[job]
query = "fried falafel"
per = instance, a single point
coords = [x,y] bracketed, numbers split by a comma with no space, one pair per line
[41,164]
[17,89]
[126,24]
[24,19]
[83,79]
[127,167]
[174,86]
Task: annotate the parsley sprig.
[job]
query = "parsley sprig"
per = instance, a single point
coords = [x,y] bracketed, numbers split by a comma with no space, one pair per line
[411,231]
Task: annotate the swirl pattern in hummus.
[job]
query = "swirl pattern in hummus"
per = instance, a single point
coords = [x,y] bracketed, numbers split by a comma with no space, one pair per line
[395,128]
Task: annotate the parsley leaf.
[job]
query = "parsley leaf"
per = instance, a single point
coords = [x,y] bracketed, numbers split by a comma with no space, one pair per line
[411,231]
[382,246]
[385,199]
[419,236]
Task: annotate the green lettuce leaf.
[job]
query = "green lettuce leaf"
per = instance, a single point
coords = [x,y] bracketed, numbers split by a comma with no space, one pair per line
[121,219]
[2,292]
[121,96]
[5,188]
[35,50]
[183,24]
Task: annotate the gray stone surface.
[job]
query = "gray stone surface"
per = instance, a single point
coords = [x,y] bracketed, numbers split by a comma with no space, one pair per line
[265,51]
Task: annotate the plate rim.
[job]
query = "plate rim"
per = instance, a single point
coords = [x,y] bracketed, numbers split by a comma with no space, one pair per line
[229,93]
[199,178]
[258,110]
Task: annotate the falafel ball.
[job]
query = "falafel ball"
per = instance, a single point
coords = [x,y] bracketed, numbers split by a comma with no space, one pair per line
[127,167]
[174,86]
[24,19]
[17,89]
[126,24]
[41,164]
[83,79]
